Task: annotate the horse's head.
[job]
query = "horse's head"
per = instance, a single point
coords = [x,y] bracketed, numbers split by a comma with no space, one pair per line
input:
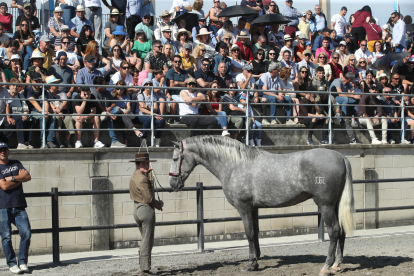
[181,167]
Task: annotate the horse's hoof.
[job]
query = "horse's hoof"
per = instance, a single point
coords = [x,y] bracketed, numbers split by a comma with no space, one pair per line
[324,272]
[250,267]
[336,269]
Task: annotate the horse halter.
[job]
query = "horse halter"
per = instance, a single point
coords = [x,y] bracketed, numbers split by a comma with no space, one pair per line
[181,161]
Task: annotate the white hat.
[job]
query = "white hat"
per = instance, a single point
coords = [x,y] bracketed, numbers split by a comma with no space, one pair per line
[287,37]
[166,29]
[165,13]
[204,31]
[58,9]
[15,56]
[298,33]
[342,43]
[385,26]
[37,54]
[243,34]
[52,79]
[182,30]
[80,8]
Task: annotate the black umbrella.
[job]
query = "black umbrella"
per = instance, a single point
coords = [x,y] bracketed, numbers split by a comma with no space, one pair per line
[390,58]
[191,20]
[410,28]
[234,11]
[271,18]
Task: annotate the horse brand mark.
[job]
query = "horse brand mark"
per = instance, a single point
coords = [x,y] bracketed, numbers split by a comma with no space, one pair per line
[319,180]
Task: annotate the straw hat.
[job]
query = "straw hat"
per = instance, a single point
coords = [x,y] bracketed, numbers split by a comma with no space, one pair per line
[243,34]
[58,9]
[37,54]
[204,31]
[115,12]
[182,30]
[52,79]
[80,8]
[165,13]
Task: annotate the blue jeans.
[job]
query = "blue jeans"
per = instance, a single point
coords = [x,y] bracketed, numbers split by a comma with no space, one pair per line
[110,125]
[346,100]
[26,54]
[399,48]
[116,110]
[288,108]
[396,125]
[146,123]
[50,124]
[214,29]
[68,13]
[18,217]
[222,121]
[271,99]
[257,125]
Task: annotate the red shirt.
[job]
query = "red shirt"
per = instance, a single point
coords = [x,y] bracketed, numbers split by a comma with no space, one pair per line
[298,49]
[373,31]
[246,52]
[336,70]
[7,21]
[360,18]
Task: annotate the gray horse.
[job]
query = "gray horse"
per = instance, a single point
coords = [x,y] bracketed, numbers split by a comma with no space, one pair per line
[253,178]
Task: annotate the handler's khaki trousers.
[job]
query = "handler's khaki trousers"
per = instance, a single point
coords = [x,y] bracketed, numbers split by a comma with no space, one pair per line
[144,215]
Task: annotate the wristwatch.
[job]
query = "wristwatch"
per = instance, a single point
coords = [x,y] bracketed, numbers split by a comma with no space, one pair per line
[12,178]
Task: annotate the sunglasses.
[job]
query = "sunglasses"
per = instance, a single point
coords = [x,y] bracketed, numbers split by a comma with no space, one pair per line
[304,72]
[215,86]
[205,65]
[272,54]
[395,78]
[119,89]
[191,84]
[148,84]
[352,59]
[307,55]
[323,57]
[363,45]
[236,50]
[157,46]
[226,38]
[65,43]
[362,62]
[335,58]
[116,50]
[28,8]
[393,17]
[24,25]
[232,87]
[147,17]
[125,68]
[202,50]
[91,61]
[177,61]
[260,54]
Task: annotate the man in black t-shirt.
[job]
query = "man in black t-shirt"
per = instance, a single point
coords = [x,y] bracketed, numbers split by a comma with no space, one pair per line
[396,87]
[204,76]
[399,64]
[86,112]
[407,75]
[12,210]
[34,21]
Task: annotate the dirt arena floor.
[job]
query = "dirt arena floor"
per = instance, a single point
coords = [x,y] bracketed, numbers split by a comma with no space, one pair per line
[385,255]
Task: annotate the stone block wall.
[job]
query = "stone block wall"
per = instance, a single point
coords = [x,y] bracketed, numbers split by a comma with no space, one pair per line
[77,169]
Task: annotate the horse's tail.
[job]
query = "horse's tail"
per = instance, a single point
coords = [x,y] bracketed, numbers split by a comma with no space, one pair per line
[346,212]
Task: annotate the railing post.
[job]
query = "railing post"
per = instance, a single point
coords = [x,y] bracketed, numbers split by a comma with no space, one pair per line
[43,117]
[321,227]
[247,118]
[403,129]
[330,118]
[152,116]
[200,217]
[55,224]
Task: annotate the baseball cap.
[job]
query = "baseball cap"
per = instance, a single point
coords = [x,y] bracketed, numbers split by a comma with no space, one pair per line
[307,52]
[342,43]
[326,30]
[188,46]
[65,28]
[3,145]
[27,5]
[60,54]
[274,66]
[191,80]
[349,36]
[45,38]
[373,87]
[308,43]
[247,66]
[382,75]
[302,36]
[88,57]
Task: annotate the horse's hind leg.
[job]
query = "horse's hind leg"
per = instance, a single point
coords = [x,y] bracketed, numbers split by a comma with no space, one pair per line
[339,252]
[332,223]
[248,217]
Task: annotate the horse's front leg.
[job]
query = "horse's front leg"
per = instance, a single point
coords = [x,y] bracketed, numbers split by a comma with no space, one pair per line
[247,216]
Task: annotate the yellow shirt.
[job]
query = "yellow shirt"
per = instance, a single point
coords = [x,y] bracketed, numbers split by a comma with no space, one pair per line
[49,56]
[304,27]
[188,63]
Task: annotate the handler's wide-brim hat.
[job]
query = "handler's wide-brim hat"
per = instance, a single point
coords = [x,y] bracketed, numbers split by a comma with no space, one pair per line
[142,157]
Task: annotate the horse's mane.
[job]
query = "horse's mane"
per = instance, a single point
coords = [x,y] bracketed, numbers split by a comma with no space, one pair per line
[223,148]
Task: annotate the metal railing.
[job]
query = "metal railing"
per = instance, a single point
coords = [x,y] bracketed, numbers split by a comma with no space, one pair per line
[54,194]
[248,104]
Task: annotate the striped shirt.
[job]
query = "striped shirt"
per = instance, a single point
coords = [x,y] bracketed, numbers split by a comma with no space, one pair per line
[229,100]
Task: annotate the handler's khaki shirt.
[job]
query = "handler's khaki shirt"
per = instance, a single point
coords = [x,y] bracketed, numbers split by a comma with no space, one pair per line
[142,190]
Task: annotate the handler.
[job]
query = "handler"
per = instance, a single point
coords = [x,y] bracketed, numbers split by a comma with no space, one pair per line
[141,190]
[12,210]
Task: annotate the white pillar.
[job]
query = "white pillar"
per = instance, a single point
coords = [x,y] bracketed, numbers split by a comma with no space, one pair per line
[326,9]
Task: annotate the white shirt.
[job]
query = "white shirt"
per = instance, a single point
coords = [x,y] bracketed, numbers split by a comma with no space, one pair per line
[117,77]
[340,23]
[186,109]
[92,3]
[179,3]
[4,94]
[237,65]
[359,54]
[242,78]
[398,33]
[72,57]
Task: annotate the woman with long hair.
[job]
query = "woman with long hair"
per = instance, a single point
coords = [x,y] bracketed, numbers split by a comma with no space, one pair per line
[119,37]
[117,57]
[124,75]
[273,8]
[259,66]
[55,24]
[203,37]
[15,69]
[237,62]
[271,56]
[198,53]
[350,65]
[358,30]
[368,82]
[167,50]
[144,108]
[303,80]
[342,50]
[26,39]
[215,106]
[123,107]
[378,51]
[198,8]
[286,84]
[182,37]
[85,37]
[142,46]
[362,68]
[322,60]
[93,49]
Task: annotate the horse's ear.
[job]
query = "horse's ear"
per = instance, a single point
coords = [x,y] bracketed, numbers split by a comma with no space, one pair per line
[177,144]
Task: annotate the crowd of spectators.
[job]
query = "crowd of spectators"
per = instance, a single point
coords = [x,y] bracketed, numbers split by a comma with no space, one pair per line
[287,64]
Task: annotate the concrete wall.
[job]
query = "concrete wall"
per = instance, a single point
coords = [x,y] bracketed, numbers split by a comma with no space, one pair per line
[87,169]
